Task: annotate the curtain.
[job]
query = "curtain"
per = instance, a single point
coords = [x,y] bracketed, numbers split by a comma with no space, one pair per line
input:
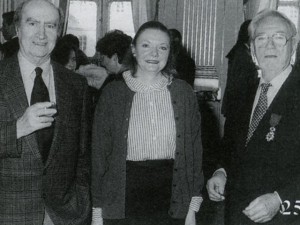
[254,6]
[143,11]
[55,2]
[65,6]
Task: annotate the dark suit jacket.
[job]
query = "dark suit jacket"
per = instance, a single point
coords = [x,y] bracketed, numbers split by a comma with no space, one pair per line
[27,186]
[267,166]
[10,47]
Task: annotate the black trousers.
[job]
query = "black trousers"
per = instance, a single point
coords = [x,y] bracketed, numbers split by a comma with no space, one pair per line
[148,194]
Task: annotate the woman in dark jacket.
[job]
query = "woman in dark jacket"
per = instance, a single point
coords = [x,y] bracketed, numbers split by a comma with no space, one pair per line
[146,147]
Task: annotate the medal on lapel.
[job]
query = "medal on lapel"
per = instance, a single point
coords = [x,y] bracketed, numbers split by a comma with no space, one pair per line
[274,121]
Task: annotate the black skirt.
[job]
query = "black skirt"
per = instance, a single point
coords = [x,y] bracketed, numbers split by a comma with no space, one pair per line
[148,194]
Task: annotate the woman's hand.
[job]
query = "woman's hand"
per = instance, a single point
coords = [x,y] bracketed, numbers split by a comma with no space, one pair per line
[97,218]
[190,218]
[99,222]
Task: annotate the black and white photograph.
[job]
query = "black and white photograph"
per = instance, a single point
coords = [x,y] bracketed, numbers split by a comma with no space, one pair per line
[149,112]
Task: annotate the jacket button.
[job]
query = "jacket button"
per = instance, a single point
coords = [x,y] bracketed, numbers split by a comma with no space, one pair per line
[44,172]
[44,195]
[176,118]
[171,213]
[178,135]
[175,169]
[174,102]
[174,185]
[177,153]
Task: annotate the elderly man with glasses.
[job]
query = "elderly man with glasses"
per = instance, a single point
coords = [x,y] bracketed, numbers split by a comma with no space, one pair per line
[263,174]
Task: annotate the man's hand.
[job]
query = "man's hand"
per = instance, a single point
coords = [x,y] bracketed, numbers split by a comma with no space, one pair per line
[263,208]
[36,117]
[95,75]
[190,218]
[216,185]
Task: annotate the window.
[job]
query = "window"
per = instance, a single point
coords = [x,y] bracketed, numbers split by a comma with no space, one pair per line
[291,9]
[120,17]
[82,22]
[82,42]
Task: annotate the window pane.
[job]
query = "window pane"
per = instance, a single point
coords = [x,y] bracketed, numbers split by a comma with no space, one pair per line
[291,12]
[82,22]
[120,17]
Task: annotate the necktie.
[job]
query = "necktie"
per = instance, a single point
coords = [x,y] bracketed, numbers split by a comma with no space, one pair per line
[260,110]
[40,94]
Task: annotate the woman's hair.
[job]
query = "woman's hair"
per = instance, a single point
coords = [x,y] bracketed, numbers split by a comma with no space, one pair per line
[8,17]
[71,39]
[61,52]
[153,25]
[273,14]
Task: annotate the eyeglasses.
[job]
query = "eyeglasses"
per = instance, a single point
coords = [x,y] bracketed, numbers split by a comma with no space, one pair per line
[278,39]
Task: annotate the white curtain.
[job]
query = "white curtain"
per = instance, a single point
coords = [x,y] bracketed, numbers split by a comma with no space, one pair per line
[252,7]
[143,11]
[55,2]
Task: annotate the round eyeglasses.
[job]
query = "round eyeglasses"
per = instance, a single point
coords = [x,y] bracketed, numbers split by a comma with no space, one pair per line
[278,39]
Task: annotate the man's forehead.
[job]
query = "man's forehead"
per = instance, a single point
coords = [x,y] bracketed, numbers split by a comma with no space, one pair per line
[272,24]
[40,9]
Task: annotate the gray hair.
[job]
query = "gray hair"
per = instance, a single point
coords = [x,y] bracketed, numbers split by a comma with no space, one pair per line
[270,13]
[21,6]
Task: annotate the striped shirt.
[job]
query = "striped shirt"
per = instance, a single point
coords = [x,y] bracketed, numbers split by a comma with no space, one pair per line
[152,131]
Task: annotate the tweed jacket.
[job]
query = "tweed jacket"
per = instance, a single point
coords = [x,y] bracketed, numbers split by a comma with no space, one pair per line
[270,162]
[109,149]
[61,185]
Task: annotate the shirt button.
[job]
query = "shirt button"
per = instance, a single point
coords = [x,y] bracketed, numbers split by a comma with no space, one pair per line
[154,138]
[151,103]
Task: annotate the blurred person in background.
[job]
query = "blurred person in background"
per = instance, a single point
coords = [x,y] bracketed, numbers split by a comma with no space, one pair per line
[184,63]
[11,46]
